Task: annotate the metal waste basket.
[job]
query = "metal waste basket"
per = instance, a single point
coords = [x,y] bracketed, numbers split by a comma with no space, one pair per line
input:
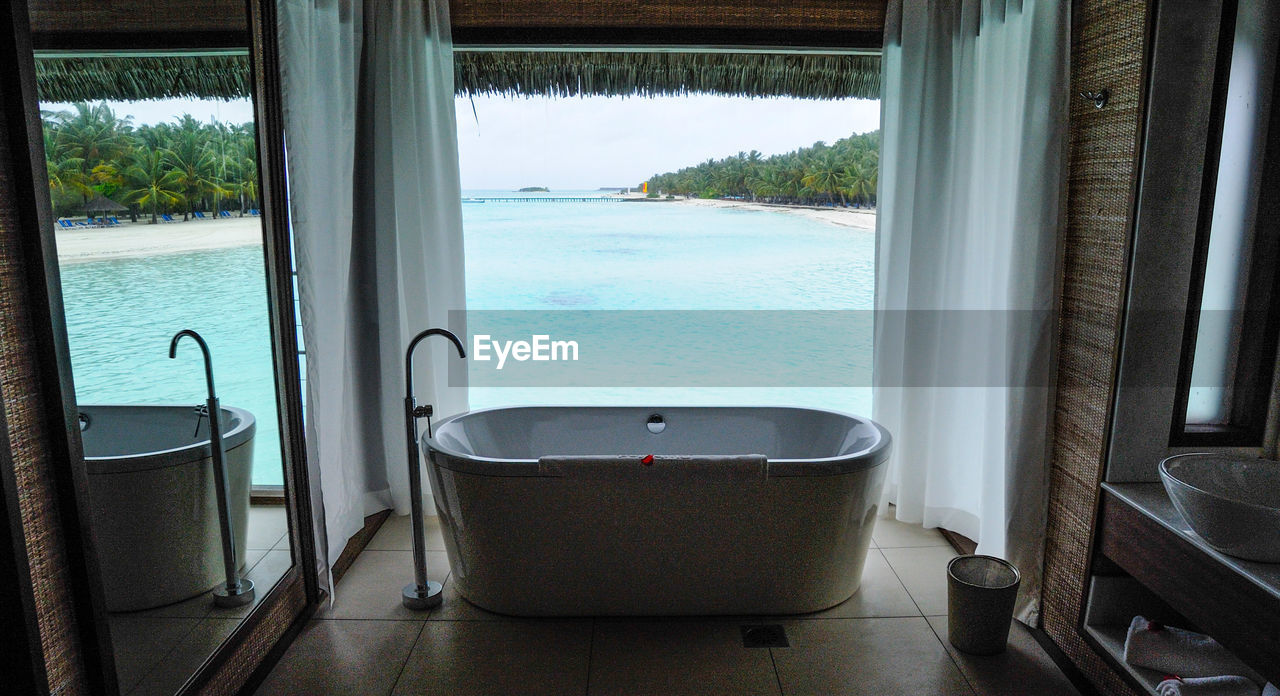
[981,591]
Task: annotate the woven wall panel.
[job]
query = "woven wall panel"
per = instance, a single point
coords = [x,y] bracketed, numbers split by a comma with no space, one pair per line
[229,15]
[1107,51]
[160,16]
[819,15]
[24,406]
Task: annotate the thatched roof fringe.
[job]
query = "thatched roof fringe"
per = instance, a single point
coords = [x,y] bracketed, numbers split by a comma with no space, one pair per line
[522,73]
[130,79]
[570,74]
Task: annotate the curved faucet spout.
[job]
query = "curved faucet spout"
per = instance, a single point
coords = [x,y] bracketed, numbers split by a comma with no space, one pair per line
[453,338]
[204,348]
[408,354]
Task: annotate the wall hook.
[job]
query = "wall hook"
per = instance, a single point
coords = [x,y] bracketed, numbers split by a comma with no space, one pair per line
[1098,98]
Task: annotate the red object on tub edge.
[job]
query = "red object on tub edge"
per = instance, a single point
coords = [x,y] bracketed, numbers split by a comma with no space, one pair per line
[648,460]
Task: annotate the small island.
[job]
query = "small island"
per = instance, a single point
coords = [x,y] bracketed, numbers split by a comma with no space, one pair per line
[534,189]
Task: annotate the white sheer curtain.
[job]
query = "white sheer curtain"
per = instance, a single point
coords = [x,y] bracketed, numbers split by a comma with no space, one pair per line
[377,223]
[972,160]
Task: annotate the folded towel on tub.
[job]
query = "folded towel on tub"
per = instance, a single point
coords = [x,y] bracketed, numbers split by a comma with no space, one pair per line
[1208,686]
[1178,651]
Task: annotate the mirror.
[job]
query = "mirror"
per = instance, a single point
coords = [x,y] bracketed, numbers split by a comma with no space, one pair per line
[159,230]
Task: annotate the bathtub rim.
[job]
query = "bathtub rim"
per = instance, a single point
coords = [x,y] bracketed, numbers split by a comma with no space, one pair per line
[138,462]
[529,468]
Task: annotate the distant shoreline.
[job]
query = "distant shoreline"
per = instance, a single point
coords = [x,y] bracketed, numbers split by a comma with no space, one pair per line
[855,218]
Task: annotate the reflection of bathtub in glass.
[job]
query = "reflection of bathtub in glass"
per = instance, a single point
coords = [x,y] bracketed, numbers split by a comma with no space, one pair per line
[154,509]
[558,511]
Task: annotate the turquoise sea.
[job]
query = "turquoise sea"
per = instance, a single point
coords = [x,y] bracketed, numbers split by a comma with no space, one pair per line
[520,256]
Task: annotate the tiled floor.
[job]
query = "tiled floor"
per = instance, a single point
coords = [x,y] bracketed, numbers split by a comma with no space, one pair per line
[890,638]
[157,650]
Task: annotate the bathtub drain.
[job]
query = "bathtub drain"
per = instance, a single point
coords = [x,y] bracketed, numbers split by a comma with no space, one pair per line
[764,636]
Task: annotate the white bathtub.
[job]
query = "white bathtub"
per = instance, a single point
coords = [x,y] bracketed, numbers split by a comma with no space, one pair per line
[552,511]
[154,507]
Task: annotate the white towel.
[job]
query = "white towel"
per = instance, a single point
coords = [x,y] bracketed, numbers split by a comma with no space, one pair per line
[1208,686]
[1270,690]
[1179,651]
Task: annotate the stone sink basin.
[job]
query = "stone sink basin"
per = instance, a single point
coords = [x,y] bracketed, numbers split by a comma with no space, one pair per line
[1232,502]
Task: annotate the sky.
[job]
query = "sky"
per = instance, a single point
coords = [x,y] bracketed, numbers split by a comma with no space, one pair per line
[591,142]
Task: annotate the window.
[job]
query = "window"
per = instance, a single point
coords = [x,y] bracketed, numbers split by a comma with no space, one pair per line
[650,228]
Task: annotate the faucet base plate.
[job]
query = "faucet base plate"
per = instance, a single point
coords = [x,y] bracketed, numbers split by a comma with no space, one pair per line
[416,599]
[222,597]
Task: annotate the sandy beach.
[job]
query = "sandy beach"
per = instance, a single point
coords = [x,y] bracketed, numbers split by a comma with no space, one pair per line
[132,240]
[140,239]
[844,217]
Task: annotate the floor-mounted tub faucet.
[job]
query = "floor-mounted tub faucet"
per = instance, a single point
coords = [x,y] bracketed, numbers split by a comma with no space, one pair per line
[236,591]
[422,594]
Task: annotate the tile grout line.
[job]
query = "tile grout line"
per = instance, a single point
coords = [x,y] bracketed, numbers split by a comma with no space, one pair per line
[963,673]
[591,648]
[776,677]
[408,656]
[173,648]
[904,587]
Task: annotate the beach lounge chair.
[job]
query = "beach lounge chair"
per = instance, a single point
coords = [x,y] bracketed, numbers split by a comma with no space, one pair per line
[64,224]
[197,215]
[113,220]
[225,214]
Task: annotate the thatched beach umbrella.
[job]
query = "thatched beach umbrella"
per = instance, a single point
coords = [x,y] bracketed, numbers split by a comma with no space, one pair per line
[104,205]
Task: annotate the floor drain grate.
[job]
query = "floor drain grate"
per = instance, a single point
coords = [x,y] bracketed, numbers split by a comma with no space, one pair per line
[764,636]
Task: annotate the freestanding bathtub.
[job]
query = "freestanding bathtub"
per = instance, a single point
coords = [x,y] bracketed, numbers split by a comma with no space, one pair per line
[155,514]
[556,511]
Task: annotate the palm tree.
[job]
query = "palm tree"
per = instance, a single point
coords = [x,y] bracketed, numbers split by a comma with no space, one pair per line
[246,169]
[847,168]
[89,150]
[154,184]
[66,174]
[94,136]
[825,176]
[189,156]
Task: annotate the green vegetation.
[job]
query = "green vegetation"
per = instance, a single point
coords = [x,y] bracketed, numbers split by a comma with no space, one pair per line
[843,173]
[535,189]
[183,166]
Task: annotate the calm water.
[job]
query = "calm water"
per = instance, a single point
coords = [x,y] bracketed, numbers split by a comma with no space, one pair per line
[520,256]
